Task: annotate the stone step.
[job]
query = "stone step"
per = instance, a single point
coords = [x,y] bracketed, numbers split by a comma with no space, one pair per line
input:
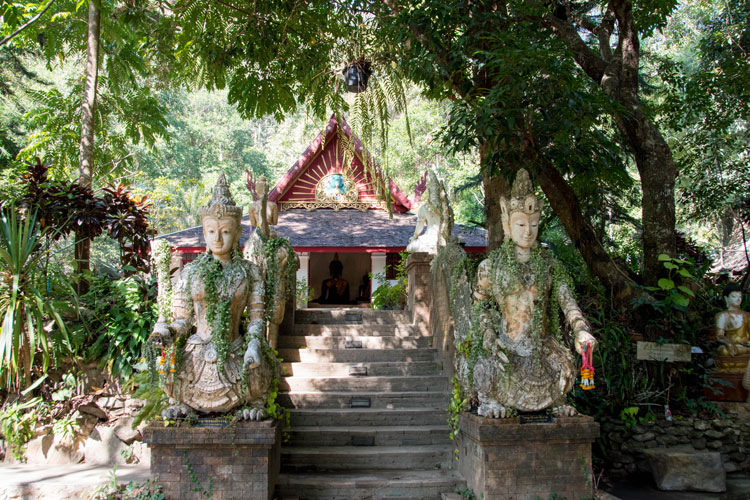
[364,384]
[374,484]
[403,435]
[369,369]
[353,342]
[350,316]
[397,330]
[356,355]
[315,399]
[352,458]
[367,416]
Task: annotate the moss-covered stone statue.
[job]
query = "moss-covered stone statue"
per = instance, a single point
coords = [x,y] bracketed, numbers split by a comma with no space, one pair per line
[517,360]
[213,359]
[274,258]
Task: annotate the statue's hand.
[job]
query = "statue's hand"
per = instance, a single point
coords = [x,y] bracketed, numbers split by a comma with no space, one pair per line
[161,336]
[732,347]
[252,355]
[582,338]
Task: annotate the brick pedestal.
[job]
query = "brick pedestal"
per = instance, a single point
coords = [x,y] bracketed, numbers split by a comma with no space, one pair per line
[418,273]
[501,458]
[241,461]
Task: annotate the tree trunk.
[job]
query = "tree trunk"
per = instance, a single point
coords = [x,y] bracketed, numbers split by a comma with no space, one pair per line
[88,107]
[658,173]
[566,206]
[495,187]
[617,74]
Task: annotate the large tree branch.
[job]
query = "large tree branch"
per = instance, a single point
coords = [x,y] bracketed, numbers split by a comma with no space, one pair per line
[26,25]
[587,59]
[567,207]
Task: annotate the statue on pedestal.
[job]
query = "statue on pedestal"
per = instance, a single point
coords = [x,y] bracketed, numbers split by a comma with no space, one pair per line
[209,364]
[733,333]
[521,363]
[428,216]
[273,256]
[733,325]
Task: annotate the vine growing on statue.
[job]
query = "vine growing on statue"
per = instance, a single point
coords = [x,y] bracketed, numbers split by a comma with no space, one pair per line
[277,280]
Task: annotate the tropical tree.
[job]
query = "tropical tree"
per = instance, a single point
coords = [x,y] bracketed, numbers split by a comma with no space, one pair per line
[24,304]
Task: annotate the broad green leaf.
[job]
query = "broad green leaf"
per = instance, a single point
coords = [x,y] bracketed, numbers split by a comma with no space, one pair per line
[665,284]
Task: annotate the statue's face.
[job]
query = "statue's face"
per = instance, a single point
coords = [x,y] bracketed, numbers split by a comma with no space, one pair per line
[220,234]
[734,299]
[524,229]
[261,186]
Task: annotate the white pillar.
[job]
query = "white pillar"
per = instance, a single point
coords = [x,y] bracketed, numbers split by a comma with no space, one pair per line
[303,273]
[377,264]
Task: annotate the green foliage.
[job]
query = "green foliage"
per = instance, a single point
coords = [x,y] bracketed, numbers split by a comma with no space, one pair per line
[386,295]
[17,422]
[457,405]
[147,490]
[215,279]
[65,427]
[391,296]
[278,280]
[122,316]
[25,306]
[628,416]
[197,486]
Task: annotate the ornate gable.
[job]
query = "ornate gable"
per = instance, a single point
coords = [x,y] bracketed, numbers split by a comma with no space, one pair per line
[323,178]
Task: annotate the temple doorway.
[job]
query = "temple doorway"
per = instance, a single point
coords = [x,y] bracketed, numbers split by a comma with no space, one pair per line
[354,269]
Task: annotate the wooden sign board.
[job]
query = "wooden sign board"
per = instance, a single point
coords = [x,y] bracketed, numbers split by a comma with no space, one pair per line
[651,351]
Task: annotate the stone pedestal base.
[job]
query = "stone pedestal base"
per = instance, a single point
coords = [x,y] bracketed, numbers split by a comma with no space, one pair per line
[501,458]
[725,387]
[239,461]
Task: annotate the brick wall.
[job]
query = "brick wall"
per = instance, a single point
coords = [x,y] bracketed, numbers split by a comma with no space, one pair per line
[501,458]
[240,460]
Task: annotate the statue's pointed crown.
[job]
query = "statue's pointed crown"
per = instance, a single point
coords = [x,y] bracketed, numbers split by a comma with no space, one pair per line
[522,197]
[222,204]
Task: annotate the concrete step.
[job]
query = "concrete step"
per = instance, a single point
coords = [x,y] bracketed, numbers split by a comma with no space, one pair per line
[370,369]
[373,484]
[350,316]
[403,435]
[397,330]
[352,458]
[333,417]
[364,384]
[353,342]
[356,355]
[315,399]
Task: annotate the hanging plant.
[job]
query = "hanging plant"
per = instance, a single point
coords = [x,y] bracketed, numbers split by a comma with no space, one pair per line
[356,74]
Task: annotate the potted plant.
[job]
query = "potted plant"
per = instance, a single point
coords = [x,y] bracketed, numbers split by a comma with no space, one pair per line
[356,73]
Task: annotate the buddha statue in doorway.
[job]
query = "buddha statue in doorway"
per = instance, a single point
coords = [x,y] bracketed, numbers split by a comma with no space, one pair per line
[335,289]
[522,364]
[216,361]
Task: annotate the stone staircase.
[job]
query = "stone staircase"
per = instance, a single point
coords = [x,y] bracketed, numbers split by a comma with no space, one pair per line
[368,409]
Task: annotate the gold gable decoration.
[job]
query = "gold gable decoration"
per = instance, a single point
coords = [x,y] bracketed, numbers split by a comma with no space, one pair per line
[335,191]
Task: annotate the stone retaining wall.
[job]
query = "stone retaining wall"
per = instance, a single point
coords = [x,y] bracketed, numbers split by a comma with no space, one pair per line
[623,446]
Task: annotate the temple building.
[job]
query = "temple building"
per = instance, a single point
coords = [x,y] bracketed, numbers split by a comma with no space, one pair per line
[330,210]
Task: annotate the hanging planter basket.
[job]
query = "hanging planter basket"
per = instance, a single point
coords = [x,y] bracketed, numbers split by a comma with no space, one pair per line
[356,75]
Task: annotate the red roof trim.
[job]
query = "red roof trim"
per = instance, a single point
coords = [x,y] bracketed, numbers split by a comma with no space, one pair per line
[313,249]
[302,162]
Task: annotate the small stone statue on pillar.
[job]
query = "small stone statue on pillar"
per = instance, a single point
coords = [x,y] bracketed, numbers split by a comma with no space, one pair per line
[435,215]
